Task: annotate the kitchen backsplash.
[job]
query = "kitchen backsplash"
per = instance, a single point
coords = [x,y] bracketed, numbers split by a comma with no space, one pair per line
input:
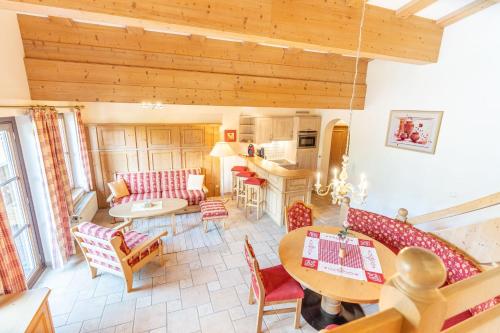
[275,150]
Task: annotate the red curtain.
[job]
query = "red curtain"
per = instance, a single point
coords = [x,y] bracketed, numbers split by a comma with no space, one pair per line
[57,183]
[84,151]
[11,271]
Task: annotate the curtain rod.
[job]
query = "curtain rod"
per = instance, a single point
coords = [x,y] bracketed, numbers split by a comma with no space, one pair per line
[47,106]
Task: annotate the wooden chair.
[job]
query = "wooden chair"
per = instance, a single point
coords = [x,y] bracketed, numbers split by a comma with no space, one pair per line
[298,215]
[117,252]
[271,286]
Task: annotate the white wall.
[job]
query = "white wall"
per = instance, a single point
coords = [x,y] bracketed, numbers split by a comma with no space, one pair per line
[465,84]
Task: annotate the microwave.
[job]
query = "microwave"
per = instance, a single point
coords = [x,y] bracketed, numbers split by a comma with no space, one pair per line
[307,139]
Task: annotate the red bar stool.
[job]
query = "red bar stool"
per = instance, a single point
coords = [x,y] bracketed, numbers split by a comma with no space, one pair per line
[241,192]
[234,171]
[255,194]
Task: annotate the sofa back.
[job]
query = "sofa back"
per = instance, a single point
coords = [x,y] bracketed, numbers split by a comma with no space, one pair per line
[140,182]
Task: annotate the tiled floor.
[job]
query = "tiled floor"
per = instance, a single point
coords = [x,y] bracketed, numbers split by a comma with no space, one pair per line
[202,286]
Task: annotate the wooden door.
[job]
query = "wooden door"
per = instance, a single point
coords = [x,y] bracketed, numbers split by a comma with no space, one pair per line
[337,148]
[282,128]
[116,137]
[192,136]
[162,136]
[164,159]
[263,130]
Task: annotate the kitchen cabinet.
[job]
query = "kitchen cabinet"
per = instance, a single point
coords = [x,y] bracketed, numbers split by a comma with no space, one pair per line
[282,129]
[309,123]
[263,130]
[307,158]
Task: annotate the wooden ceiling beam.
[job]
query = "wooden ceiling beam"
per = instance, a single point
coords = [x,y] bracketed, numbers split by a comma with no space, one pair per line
[466,11]
[329,26]
[413,7]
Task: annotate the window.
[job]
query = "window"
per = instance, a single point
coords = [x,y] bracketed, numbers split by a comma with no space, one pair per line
[67,155]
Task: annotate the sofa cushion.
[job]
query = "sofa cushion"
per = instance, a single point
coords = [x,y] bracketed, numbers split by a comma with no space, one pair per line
[118,189]
[212,209]
[134,238]
[193,197]
[141,182]
[137,197]
[176,179]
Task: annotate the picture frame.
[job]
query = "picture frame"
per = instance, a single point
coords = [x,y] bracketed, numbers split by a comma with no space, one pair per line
[230,135]
[414,130]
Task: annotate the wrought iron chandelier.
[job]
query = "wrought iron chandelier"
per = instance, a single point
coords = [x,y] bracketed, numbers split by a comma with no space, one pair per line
[339,187]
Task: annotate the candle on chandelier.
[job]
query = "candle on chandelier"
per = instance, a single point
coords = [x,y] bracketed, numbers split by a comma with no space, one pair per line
[318,176]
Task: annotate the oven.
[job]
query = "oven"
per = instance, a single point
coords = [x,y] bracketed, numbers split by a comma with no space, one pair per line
[307,139]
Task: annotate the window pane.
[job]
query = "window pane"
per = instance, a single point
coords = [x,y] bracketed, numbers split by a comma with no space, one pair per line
[6,166]
[24,246]
[13,206]
[64,140]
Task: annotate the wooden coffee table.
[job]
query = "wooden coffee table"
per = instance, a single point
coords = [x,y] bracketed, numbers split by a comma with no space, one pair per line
[168,206]
[331,299]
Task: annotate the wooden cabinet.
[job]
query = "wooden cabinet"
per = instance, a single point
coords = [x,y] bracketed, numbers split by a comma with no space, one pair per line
[282,128]
[274,203]
[309,123]
[142,147]
[307,158]
[263,130]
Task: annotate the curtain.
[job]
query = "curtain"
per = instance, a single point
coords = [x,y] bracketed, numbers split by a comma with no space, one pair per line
[57,183]
[84,151]
[11,271]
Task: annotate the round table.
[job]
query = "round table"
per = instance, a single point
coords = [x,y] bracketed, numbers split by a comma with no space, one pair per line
[322,302]
[168,206]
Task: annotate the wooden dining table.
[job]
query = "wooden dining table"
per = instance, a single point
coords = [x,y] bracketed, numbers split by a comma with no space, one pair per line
[331,299]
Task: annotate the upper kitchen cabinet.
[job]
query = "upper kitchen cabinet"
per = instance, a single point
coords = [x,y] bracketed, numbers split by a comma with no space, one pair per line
[309,123]
[282,129]
[263,130]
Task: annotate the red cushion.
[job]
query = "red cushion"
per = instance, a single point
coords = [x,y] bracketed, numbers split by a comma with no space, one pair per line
[239,168]
[331,326]
[134,238]
[212,209]
[298,216]
[193,197]
[246,174]
[255,181]
[137,197]
[456,319]
[141,182]
[279,285]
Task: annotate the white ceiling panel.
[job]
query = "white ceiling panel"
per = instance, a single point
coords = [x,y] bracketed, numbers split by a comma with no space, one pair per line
[434,11]
[389,4]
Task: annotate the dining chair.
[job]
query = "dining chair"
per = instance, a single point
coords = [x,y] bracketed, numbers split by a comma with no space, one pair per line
[115,250]
[272,286]
[298,215]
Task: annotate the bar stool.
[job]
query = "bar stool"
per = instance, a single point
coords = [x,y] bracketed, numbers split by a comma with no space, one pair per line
[255,194]
[234,171]
[241,192]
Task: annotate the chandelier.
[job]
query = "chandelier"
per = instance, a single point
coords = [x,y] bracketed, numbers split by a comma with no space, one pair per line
[339,187]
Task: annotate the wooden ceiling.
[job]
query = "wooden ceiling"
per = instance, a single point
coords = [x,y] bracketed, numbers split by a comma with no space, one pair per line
[71,61]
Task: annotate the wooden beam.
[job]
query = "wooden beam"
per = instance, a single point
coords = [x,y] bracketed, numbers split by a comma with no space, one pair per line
[322,25]
[413,7]
[465,11]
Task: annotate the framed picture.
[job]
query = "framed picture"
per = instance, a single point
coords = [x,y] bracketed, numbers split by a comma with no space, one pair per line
[414,130]
[230,135]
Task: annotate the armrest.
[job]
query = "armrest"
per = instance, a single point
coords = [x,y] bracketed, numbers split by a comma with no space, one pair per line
[144,245]
[110,198]
[205,189]
[123,225]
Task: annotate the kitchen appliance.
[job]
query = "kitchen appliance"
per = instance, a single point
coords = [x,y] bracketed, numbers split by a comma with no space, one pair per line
[307,139]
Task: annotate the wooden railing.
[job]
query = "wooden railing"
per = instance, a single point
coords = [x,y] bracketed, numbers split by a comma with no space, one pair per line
[412,302]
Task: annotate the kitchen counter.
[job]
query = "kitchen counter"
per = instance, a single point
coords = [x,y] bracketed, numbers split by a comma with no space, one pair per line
[283,186]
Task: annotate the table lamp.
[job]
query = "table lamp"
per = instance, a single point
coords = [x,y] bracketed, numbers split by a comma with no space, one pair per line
[222,149]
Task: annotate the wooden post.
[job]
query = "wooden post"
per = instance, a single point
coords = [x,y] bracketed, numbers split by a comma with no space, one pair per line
[344,210]
[413,291]
[402,215]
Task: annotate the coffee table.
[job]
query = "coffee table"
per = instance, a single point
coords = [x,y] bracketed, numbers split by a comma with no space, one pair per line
[130,210]
[331,299]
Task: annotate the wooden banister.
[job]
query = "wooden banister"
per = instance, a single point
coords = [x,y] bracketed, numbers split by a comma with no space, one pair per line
[468,293]
[470,206]
[387,321]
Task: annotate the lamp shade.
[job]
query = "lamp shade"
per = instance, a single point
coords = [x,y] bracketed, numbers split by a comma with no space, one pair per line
[222,149]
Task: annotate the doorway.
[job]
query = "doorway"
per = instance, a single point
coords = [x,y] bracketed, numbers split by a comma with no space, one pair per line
[16,199]
[337,148]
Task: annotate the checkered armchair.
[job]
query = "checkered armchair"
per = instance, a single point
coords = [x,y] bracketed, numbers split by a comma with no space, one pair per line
[115,250]
[298,215]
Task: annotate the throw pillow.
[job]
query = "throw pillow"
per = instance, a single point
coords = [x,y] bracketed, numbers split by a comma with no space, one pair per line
[195,182]
[119,189]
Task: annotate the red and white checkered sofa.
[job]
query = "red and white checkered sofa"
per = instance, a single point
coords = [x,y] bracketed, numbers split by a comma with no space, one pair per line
[397,235]
[159,184]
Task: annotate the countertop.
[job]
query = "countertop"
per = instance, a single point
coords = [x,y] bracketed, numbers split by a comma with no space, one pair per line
[277,170]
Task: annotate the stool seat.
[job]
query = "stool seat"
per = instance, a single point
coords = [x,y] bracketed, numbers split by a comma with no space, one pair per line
[239,168]
[246,174]
[254,181]
[213,210]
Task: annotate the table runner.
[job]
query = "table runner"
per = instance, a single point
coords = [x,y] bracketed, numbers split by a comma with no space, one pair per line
[361,262]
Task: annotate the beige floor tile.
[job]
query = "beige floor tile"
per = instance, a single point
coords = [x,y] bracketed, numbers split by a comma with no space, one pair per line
[177,273]
[125,328]
[166,292]
[90,325]
[174,305]
[185,321]
[117,313]
[140,288]
[194,296]
[71,328]
[230,278]
[234,260]
[224,299]
[87,309]
[203,275]
[61,303]
[210,259]
[247,325]
[151,317]
[205,309]
[237,313]
[217,323]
